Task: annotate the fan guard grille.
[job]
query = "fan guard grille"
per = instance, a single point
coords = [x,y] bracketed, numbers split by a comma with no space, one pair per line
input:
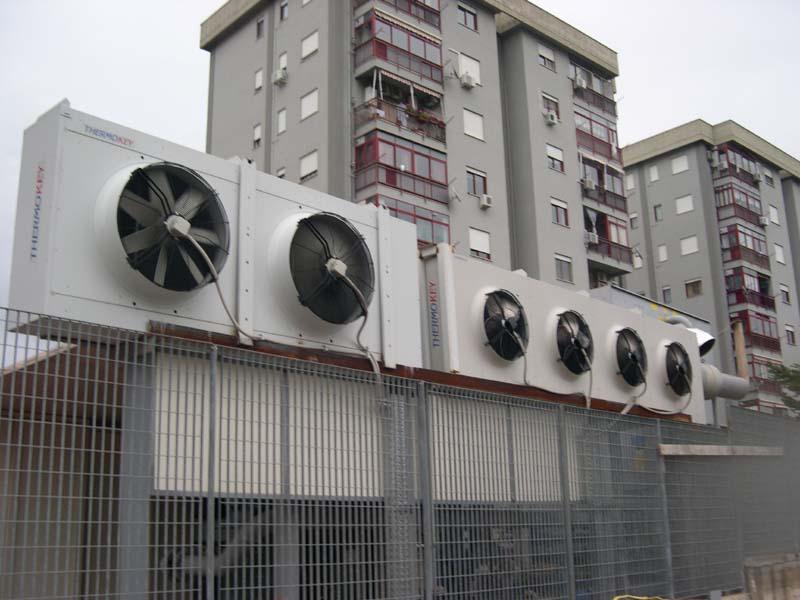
[575,343]
[318,239]
[505,324]
[631,357]
[152,194]
[679,369]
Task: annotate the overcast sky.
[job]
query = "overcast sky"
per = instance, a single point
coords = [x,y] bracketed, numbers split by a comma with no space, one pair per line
[139,64]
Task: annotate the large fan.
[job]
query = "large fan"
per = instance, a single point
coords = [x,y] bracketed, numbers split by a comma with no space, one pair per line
[152,195]
[505,324]
[329,261]
[679,369]
[631,357]
[574,340]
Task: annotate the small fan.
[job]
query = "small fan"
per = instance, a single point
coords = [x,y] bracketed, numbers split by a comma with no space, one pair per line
[151,196]
[574,340]
[679,369]
[631,357]
[505,324]
[329,261]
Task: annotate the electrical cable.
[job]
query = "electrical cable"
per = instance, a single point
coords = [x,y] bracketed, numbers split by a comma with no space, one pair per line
[633,401]
[518,340]
[686,404]
[589,362]
[157,191]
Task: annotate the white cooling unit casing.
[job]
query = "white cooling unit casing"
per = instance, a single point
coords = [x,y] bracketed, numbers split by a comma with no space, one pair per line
[69,261]
[455,290]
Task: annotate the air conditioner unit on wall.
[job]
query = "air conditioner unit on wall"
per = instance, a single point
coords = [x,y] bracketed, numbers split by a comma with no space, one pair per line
[550,117]
[280,76]
[467,81]
[588,185]
[580,83]
[94,243]
[591,237]
[763,221]
[486,201]
[486,322]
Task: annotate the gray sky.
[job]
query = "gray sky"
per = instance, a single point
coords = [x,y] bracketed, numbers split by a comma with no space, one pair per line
[138,63]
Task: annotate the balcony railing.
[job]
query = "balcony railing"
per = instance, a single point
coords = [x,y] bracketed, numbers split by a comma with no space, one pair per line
[596,145]
[745,296]
[414,184]
[737,210]
[768,386]
[606,197]
[421,122]
[375,48]
[738,173]
[757,340]
[418,10]
[600,101]
[613,250]
[746,254]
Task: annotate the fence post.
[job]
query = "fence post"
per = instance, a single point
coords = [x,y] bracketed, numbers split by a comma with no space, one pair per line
[425,489]
[563,469]
[662,486]
[212,473]
[737,508]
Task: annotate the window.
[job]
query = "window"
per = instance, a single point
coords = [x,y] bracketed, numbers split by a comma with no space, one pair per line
[309,104]
[768,177]
[309,45]
[547,58]
[630,181]
[259,80]
[653,171]
[689,245]
[283,61]
[559,212]
[555,158]
[281,120]
[479,243]
[784,293]
[728,195]
[597,134]
[684,204]
[305,2]
[666,294]
[550,103]
[281,173]
[779,257]
[598,84]
[257,135]
[694,288]
[432,227]
[662,253]
[284,10]
[680,164]
[563,268]
[790,339]
[467,64]
[637,261]
[658,213]
[773,215]
[634,220]
[308,165]
[476,182]
[473,124]
[260,28]
[468,18]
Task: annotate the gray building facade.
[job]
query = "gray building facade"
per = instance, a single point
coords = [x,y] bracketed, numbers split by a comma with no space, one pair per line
[713,218]
[439,111]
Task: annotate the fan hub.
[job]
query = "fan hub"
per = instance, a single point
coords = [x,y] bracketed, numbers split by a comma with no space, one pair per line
[336,267]
[177,226]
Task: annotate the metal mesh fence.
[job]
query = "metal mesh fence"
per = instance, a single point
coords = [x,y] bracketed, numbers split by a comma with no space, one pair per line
[144,466]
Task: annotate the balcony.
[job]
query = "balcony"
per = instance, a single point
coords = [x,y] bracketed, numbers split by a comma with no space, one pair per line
[596,145]
[756,340]
[592,98]
[745,296]
[413,184]
[768,386]
[606,197]
[746,254]
[379,49]
[416,9]
[736,210]
[612,250]
[417,121]
[738,173]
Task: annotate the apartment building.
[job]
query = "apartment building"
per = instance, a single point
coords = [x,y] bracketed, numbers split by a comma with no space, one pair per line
[714,230]
[491,124]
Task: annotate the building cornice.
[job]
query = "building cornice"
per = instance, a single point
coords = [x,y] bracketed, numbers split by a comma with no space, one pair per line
[224,18]
[713,135]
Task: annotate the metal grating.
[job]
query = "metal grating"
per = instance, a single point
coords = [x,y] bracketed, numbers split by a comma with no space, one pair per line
[138,466]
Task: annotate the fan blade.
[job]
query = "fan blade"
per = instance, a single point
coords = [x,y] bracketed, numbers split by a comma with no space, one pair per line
[190,203]
[161,267]
[190,264]
[144,238]
[206,236]
[140,209]
[161,181]
[499,305]
[583,340]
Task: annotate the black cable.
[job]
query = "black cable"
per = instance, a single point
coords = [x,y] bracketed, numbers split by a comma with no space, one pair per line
[156,190]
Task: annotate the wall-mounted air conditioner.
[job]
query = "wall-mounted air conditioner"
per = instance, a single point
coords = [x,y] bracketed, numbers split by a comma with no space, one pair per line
[467,80]
[580,82]
[550,117]
[591,237]
[486,202]
[588,184]
[120,228]
[757,176]
[280,76]
[493,324]
[763,221]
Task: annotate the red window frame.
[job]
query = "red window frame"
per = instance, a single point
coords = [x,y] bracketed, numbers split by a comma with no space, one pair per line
[405,211]
[756,323]
[739,235]
[595,126]
[737,157]
[464,15]
[732,194]
[368,153]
